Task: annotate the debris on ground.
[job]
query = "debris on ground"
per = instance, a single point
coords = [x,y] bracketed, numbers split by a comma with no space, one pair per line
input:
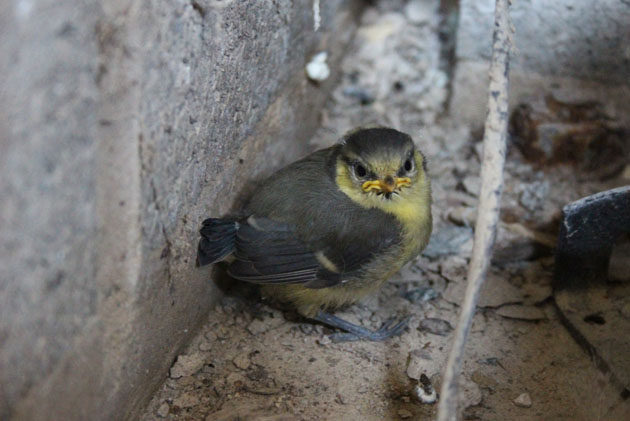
[251,361]
[523,401]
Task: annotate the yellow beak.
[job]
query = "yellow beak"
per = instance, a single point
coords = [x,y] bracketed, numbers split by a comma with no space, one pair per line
[386,185]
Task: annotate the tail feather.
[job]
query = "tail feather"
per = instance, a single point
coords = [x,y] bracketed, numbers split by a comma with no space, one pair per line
[218,237]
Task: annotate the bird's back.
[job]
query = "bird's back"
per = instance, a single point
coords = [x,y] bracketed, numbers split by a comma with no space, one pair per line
[305,195]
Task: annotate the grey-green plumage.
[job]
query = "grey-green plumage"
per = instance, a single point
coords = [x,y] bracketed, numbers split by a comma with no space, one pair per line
[305,196]
[319,233]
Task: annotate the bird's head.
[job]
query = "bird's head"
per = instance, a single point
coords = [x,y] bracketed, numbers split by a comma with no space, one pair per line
[381,168]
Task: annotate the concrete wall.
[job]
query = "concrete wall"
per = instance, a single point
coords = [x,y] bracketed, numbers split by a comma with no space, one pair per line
[577,50]
[123,123]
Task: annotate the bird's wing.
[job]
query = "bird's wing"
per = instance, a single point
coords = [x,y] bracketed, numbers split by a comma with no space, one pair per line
[270,252]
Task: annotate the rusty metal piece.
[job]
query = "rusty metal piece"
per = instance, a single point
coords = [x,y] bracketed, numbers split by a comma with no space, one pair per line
[551,132]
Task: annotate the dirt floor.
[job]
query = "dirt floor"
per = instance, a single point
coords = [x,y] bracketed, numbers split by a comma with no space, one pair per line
[252,361]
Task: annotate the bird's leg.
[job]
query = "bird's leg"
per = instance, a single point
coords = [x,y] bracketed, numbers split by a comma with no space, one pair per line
[356,332]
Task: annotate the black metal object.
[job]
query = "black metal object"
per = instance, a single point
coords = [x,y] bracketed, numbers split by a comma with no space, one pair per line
[590,305]
[587,235]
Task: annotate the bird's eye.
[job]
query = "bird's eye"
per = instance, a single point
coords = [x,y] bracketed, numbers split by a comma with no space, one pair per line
[408,165]
[360,170]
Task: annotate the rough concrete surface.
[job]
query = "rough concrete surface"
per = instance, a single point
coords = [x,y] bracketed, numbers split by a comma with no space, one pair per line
[252,361]
[123,124]
[573,49]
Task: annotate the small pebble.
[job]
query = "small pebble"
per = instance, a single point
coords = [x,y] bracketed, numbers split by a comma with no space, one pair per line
[463,215]
[317,70]
[223,332]
[419,362]
[242,361]
[186,400]
[205,346]
[257,326]
[472,185]
[324,340]
[421,294]
[404,414]
[187,365]
[234,378]
[186,380]
[523,400]
[448,240]
[419,12]
[470,394]
[435,326]
[483,381]
[163,410]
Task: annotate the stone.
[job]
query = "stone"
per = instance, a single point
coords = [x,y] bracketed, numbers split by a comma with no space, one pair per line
[163,410]
[469,393]
[186,400]
[463,215]
[448,240]
[454,269]
[495,292]
[523,401]
[186,381]
[205,346]
[187,365]
[483,381]
[533,195]
[521,312]
[234,378]
[404,414]
[317,70]
[472,184]
[242,361]
[435,326]
[257,327]
[419,12]
[421,294]
[420,362]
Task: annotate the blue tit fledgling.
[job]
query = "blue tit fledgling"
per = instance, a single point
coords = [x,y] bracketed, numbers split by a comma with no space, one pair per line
[327,230]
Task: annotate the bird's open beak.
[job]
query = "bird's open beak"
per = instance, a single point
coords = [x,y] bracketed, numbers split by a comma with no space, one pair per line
[386,185]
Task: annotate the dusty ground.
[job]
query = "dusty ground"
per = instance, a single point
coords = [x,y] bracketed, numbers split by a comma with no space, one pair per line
[254,362]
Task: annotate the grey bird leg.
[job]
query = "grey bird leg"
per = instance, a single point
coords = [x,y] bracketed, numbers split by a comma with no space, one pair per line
[356,332]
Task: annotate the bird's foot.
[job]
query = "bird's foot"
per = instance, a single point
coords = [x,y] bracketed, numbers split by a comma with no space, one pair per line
[355,332]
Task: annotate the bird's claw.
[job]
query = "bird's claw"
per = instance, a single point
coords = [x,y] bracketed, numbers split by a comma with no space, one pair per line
[385,332]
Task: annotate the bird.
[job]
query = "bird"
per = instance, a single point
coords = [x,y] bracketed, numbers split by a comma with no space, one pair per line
[325,231]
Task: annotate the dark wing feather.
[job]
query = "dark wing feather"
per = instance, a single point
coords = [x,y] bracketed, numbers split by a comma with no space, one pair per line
[350,257]
[269,252]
